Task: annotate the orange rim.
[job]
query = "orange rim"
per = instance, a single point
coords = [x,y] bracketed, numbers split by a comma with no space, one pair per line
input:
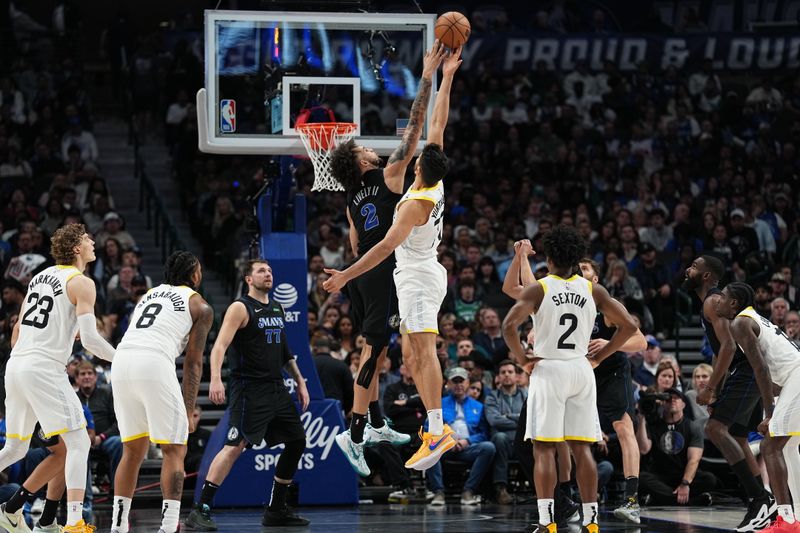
[320,134]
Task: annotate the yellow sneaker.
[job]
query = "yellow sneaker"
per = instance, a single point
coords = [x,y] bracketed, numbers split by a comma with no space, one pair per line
[432,448]
[80,527]
[590,528]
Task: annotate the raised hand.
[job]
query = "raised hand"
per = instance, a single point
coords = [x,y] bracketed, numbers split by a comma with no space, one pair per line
[433,59]
[451,62]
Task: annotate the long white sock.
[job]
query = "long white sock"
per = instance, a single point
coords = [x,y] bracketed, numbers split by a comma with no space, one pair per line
[119,520]
[74,513]
[589,513]
[170,515]
[786,512]
[435,424]
[546,507]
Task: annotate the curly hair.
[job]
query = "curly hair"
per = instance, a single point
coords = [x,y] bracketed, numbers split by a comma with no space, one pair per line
[179,268]
[564,246]
[742,293]
[64,241]
[714,265]
[344,165]
[433,164]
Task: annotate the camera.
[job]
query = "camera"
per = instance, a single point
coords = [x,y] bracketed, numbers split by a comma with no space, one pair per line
[648,402]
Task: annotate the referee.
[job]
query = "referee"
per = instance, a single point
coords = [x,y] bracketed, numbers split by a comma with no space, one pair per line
[260,406]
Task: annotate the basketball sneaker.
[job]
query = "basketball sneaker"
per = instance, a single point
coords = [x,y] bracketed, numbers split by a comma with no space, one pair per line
[353,451]
[590,528]
[52,528]
[759,513]
[373,435]
[79,527]
[200,518]
[286,517]
[782,526]
[432,448]
[629,511]
[13,522]
[541,528]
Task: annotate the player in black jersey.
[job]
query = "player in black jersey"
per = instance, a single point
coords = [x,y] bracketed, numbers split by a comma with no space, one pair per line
[731,393]
[372,194]
[260,405]
[615,400]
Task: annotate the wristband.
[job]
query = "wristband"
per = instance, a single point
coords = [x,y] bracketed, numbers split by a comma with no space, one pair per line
[685,482]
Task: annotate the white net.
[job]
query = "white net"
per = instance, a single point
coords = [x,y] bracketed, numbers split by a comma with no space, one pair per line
[319,140]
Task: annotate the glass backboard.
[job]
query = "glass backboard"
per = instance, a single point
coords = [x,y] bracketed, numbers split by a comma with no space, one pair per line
[265,70]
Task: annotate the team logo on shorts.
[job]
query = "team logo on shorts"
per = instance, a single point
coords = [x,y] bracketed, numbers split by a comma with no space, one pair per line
[233,433]
[394,321]
[41,434]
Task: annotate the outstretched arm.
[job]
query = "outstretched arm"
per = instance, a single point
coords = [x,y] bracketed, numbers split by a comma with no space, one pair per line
[441,108]
[519,274]
[409,214]
[396,166]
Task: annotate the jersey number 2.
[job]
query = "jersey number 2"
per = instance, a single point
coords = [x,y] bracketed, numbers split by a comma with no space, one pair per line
[148,316]
[369,212]
[573,324]
[43,304]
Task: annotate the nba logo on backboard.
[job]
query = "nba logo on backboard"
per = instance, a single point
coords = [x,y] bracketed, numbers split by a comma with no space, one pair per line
[227,116]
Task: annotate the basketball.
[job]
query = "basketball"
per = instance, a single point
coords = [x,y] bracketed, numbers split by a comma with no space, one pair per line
[452,29]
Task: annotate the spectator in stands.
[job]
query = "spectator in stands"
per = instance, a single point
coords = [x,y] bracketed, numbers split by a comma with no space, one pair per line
[344,335]
[763,300]
[780,288]
[100,401]
[778,310]
[466,304]
[84,140]
[113,228]
[791,293]
[465,417]
[490,338]
[654,280]
[315,266]
[334,375]
[621,285]
[197,442]
[476,389]
[657,233]
[403,405]
[502,408]
[672,447]
[332,251]
[645,375]
[665,377]
[743,239]
[700,377]
[792,325]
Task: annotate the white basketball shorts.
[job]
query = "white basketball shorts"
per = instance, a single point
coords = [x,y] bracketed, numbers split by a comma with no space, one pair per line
[147,398]
[786,416]
[562,402]
[420,292]
[38,389]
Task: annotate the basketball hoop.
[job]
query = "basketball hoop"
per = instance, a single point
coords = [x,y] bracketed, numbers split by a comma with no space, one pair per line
[319,139]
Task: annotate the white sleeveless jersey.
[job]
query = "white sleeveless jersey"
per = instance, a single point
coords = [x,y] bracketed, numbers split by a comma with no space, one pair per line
[48,324]
[781,354]
[565,319]
[160,322]
[422,243]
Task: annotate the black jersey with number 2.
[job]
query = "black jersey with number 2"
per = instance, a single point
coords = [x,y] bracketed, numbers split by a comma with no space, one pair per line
[259,350]
[371,208]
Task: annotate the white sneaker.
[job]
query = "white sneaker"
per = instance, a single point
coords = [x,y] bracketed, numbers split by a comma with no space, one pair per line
[384,433]
[13,522]
[468,498]
[354,452]
[52,528]
[438,499]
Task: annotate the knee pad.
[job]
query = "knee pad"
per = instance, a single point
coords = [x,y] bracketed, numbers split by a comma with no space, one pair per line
[367,372]
[78,445]
[77,440]
[287,463]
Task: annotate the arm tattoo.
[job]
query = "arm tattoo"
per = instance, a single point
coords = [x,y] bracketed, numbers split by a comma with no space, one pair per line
[193,371]
[415,122]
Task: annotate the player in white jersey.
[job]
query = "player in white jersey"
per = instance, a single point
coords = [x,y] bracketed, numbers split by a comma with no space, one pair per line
[562,398]
[147,396]
[420,280]
[59,304]
[775,359]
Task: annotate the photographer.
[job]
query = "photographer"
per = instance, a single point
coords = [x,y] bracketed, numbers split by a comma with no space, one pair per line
[672,447]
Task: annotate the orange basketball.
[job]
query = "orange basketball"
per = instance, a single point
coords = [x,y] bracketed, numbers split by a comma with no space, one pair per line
[452,29]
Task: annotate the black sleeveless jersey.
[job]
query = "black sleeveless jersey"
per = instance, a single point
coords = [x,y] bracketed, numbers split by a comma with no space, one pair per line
[371,208]
[739,357]
[603,331]
[259,350]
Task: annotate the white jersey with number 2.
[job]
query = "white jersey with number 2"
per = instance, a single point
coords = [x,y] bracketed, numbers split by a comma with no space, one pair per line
[565,318]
